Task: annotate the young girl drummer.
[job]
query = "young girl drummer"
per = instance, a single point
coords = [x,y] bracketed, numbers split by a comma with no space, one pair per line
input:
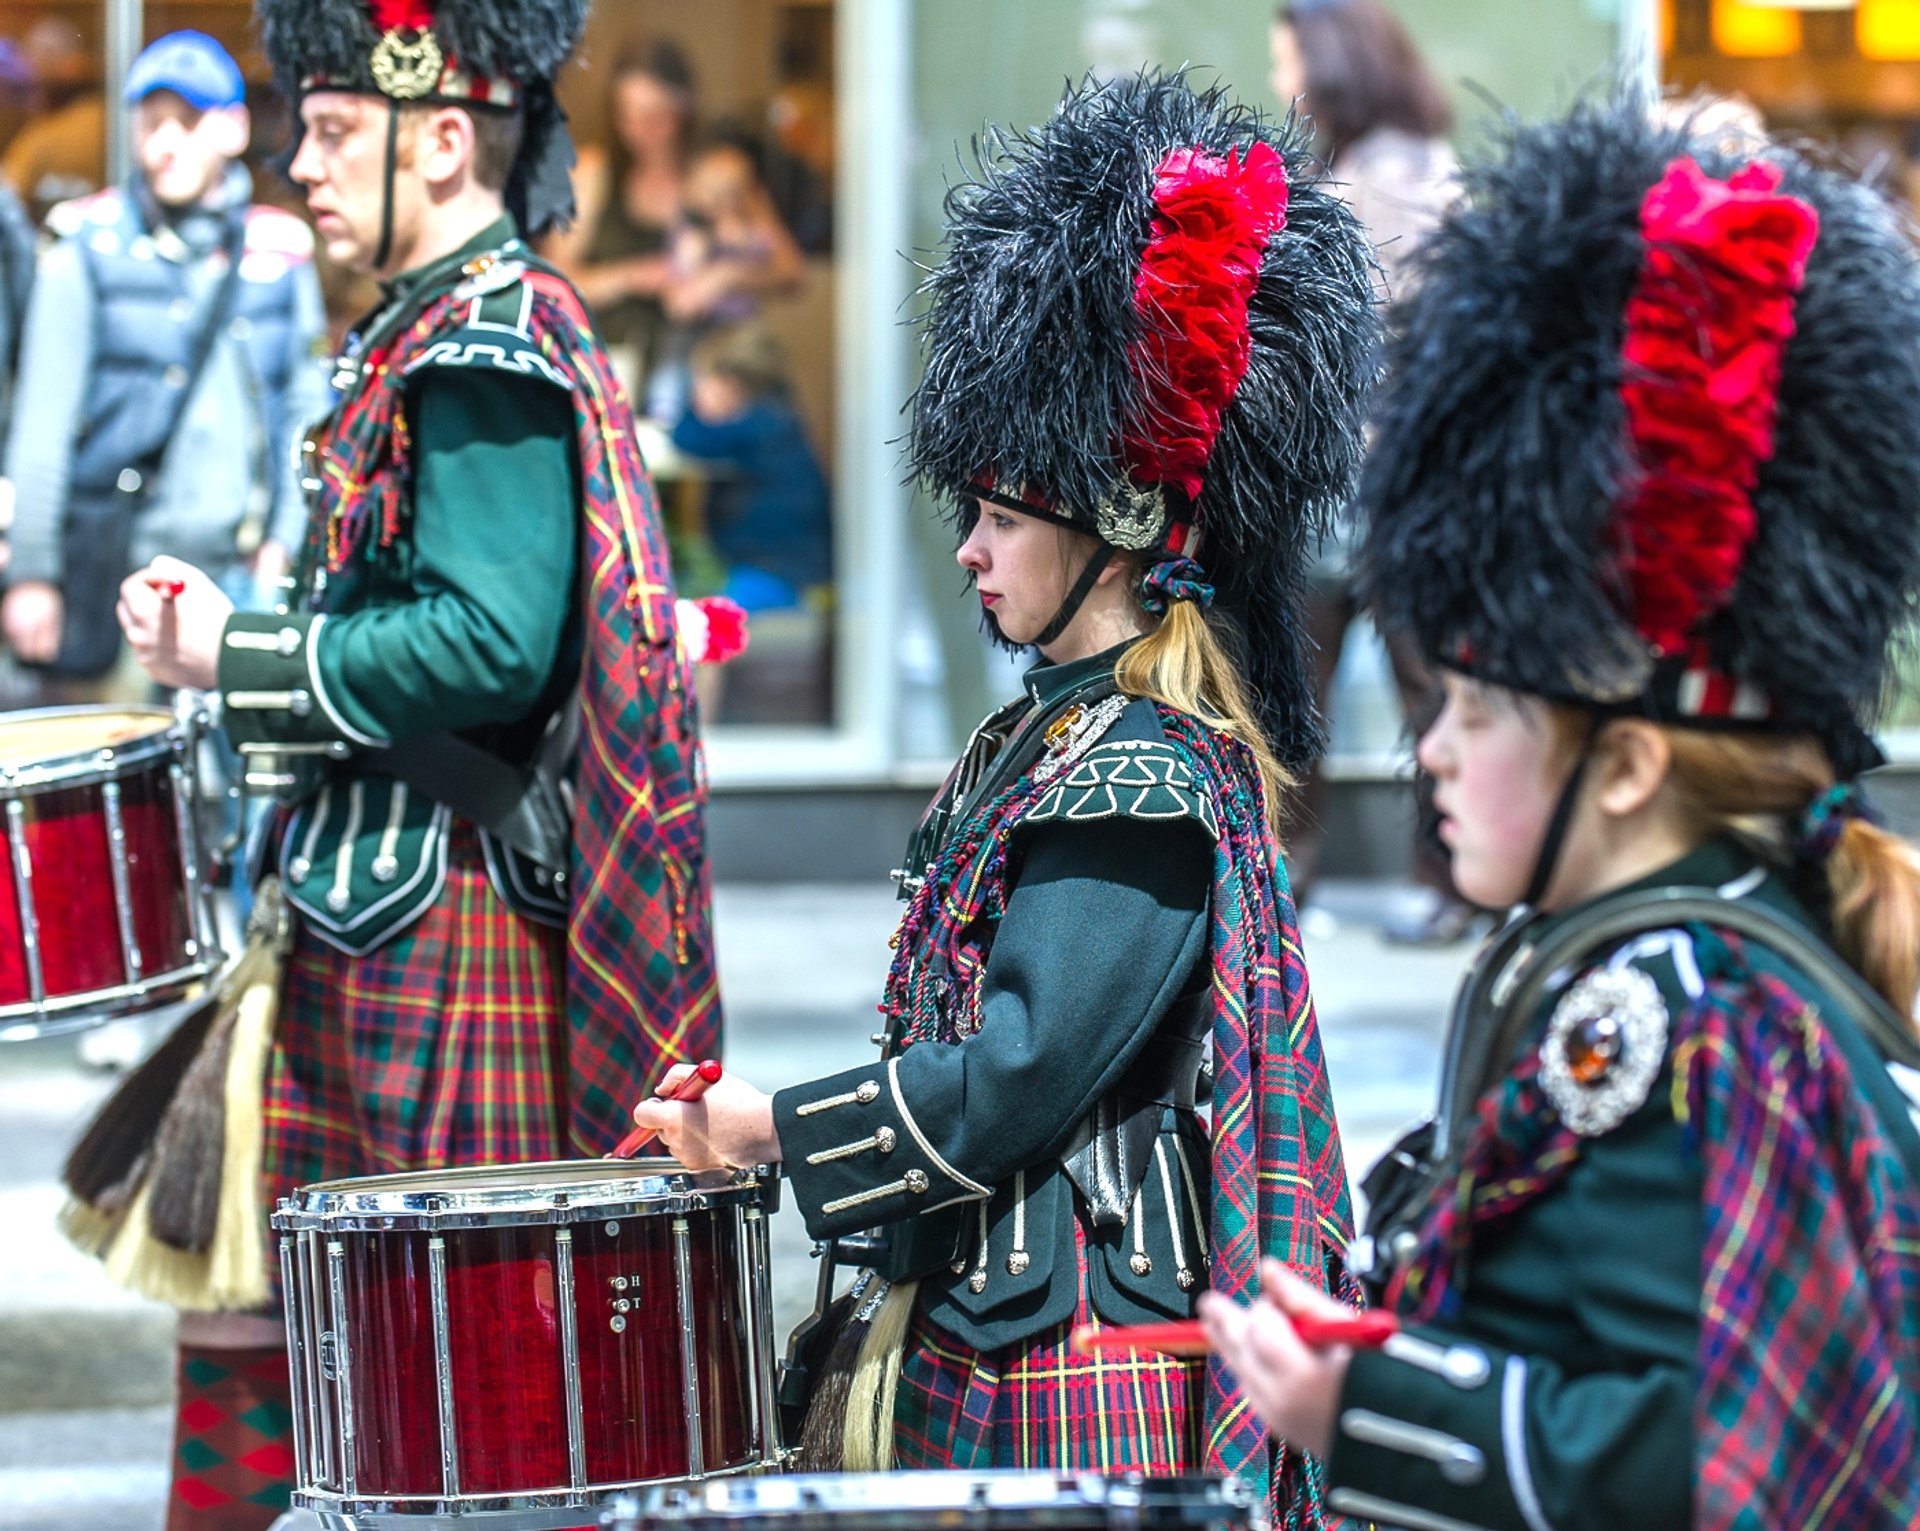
[1146,349]
[1648,484]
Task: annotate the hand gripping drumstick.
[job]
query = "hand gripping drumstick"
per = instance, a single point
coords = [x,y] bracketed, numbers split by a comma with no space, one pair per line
[1363,1331]
[691,1088]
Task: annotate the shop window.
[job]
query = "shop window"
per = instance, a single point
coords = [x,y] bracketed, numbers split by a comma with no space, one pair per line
[1744,30]
[1888,30]
[705,245]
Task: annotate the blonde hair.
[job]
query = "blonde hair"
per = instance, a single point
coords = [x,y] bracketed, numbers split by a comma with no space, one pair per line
[1182,664]
[1757,787]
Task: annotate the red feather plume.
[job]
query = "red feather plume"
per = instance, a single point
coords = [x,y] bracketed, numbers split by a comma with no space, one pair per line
[414,15]
[1707,326]
[1213,216]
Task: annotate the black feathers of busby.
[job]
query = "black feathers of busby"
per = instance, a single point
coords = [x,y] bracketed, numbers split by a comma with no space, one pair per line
[499,55]
[1153,320]
[1650,439]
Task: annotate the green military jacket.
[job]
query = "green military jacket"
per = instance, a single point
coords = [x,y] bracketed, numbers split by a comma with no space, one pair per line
[465,623]
[1562,1397]
[1098,959]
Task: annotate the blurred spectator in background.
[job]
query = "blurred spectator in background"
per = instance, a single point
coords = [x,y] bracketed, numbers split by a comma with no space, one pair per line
[731,249]
[61,152]
[768,517]
[168,360]
[629,204]
[1382,121]
[17,252]
[797,163]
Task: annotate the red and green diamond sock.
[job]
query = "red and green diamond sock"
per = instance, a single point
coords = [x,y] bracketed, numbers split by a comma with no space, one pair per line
[233,1440]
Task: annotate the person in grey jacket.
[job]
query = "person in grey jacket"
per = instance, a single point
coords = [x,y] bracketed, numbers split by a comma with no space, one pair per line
[110,467]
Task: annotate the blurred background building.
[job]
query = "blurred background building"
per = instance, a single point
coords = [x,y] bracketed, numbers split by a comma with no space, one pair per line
[760,173]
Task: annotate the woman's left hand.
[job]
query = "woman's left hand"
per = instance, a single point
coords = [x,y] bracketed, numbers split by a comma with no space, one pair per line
[729,1127]
[1294,1387]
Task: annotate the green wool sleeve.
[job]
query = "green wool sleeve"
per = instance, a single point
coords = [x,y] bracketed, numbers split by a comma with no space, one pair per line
[492,568]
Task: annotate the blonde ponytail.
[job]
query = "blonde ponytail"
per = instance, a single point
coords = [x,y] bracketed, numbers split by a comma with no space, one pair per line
[1875,878]
[1759,788]
[1183,665]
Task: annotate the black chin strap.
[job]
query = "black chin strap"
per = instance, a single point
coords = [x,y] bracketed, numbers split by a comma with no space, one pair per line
[1554,841]
[386,189]
[1070,607]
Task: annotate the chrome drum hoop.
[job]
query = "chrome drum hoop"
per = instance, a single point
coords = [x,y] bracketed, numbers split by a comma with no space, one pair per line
[559,1191]
[558,1511]
[88,767]
[27,1021]
[999,1500]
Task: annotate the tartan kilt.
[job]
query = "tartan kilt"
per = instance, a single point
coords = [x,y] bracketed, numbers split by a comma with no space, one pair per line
[446,1046]
[1036,1405]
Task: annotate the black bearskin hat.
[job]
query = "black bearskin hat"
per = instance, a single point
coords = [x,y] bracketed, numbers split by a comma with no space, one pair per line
[1650,440]
[1153,319]
[497,54]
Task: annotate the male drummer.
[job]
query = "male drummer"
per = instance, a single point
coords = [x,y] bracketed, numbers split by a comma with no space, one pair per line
[471,979]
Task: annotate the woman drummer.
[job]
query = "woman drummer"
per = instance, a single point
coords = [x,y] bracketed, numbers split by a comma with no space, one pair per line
[1146,350]
[1648,484]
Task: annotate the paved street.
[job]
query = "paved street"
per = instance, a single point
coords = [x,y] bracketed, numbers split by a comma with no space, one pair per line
[85,1371]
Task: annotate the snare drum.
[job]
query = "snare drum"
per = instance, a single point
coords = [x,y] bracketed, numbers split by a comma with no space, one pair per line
[915,1501]
[104,909]
[510,1345]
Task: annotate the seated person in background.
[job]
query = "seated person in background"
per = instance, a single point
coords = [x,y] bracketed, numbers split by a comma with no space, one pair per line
[769,521]
[731,249]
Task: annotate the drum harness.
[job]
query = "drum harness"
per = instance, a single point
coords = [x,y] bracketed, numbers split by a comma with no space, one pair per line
[1512,979]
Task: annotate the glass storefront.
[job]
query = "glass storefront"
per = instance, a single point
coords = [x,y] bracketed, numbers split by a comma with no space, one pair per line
[1004,61]
[804,145]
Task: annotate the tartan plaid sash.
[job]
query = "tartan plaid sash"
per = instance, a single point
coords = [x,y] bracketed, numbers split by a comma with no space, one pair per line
[641,986]
[1808,1409]
[1279,1182]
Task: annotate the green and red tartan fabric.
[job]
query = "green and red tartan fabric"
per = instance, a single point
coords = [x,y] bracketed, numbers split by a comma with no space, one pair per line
[232,1440]
[1808,1403]
[641,988]
[1038,1404]
[1279,1180]
[442,1047]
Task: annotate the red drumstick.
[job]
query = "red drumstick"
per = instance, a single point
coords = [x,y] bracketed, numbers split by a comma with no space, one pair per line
[1363,1331]
[166,589]
[691,1088]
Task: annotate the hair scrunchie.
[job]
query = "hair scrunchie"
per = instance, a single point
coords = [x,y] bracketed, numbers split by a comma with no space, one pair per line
[1827,817]
[1174,579]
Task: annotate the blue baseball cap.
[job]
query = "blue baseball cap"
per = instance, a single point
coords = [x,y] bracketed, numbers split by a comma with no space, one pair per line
[191,65]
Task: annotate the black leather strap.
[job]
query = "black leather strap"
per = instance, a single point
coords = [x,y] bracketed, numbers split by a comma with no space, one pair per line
[1868,1029]
[524,807]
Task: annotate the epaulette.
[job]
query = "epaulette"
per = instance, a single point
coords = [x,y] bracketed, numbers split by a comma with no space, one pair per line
[496,328]
[1143,779]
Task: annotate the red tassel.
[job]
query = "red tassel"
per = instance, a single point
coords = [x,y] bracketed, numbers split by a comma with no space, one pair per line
[713,629]
[1213,216]
[1707,326]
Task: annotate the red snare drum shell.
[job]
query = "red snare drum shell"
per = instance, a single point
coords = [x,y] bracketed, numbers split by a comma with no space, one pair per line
[506,1376]
[62,833]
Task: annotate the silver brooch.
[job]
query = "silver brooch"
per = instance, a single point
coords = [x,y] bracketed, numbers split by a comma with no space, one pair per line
[1132,517]
[1603,1049]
